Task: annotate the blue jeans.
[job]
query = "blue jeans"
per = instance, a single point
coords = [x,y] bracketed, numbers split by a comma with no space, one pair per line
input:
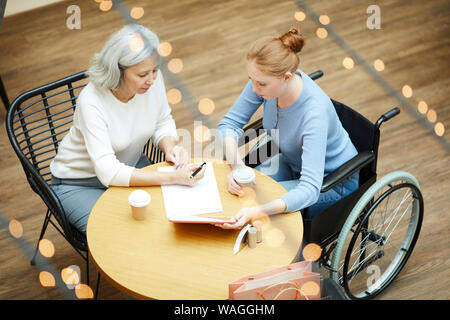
[78,196]
[280,171]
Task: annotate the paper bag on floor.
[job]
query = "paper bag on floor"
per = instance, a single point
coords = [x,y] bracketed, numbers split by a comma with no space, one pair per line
[291,282]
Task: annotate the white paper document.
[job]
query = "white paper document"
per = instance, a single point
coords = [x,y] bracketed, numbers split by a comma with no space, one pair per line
[184,203]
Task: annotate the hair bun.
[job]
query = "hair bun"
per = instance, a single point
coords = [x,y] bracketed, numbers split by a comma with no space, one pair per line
[293,40]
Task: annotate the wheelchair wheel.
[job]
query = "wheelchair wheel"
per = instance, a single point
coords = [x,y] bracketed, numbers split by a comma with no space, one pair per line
[378,236]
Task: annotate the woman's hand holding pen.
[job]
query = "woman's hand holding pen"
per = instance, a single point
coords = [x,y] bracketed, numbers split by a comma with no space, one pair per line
[183,175]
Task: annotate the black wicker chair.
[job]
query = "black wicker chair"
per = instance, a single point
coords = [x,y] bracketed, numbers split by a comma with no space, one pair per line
[36,123]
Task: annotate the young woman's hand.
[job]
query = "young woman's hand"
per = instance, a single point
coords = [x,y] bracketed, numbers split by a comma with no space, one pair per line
[240,219]
[183,174]
[233,186]
[178,156]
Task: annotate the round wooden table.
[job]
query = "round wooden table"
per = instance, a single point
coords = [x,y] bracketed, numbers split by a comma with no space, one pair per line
[158,259]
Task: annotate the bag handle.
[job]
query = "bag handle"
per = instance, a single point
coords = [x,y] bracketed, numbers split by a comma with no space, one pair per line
[296,284]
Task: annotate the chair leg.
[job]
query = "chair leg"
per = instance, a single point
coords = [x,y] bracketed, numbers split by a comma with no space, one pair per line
[87,268]
[44,228]
[3,95]
[98,285]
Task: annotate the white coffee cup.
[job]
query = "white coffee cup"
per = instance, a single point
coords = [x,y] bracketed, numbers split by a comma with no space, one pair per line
[139,201]
[245,177]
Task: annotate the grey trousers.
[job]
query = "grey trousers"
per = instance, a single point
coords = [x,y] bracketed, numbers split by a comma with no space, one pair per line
[78,196]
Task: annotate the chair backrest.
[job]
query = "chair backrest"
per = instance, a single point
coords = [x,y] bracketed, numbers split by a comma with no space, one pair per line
[39,119]
[360,130]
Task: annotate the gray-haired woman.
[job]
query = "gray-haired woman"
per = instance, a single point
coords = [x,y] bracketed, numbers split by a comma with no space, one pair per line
[120,109]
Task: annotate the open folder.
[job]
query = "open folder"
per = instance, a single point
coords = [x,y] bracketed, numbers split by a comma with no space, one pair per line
[197,204]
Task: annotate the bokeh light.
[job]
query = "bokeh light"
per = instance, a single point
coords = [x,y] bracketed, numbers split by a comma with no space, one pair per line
[137,12]
[70,276]
[136,43]
[299,16]
[378,65]
[83,291]
[46,279]
[348,63]
[310,289]
[46,248]
[321,33]
[439,129]
[106,5]
[15,228]
[175,65]
[164,49]
[407,91]
[202,133]
[249,197]
[206,106]
[174,96]
[312,252]
[275,237]
[324,19]
[431,115]
[262,221]
[423,107]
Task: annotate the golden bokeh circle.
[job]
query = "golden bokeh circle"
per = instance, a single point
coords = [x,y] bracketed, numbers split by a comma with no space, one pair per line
[206,106]
[310,289]
[70,276]
[46,279]
[439,129]
[324,19]
[137,12]
[15,228]
[249,197]
[135,42]
[175,65]
[299,16]
[423,107]
[431,115]
[321,33]
[202,133]
[275,237]
[164,49]
[378,65]
[174,96]
[312,252]
[46,248]
[407,91]
[348,63]
[105,5]
[83,291]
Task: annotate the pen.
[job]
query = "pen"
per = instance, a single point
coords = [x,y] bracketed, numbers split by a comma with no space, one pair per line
[197,171]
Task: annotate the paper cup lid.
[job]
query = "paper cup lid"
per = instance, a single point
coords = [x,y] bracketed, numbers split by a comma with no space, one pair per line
[139,198]
[244,175]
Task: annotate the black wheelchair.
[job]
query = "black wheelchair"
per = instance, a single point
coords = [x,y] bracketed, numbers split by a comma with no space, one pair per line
[367,237]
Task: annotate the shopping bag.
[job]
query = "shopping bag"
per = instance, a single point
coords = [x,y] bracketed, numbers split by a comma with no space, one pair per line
[291,282]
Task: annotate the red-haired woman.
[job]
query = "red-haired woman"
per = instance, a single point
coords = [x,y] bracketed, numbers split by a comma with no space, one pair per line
[302,120]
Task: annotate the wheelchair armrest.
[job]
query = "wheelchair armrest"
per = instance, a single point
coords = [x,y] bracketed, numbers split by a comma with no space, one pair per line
[347,169]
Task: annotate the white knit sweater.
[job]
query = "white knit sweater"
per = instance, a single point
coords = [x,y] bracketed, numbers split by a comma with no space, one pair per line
[107,136]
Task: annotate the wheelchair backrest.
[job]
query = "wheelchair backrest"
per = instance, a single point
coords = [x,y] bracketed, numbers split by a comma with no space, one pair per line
[360,130]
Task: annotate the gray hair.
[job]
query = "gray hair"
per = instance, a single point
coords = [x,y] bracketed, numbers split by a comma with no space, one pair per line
[125,48]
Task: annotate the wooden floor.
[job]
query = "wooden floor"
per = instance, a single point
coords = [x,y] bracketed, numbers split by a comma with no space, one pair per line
[211,37]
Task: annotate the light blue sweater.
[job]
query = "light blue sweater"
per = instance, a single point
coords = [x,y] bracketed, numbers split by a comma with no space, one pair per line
[311,137]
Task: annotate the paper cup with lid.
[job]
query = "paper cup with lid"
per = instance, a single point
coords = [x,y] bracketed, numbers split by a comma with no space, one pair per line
[245,176]
[139,201]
